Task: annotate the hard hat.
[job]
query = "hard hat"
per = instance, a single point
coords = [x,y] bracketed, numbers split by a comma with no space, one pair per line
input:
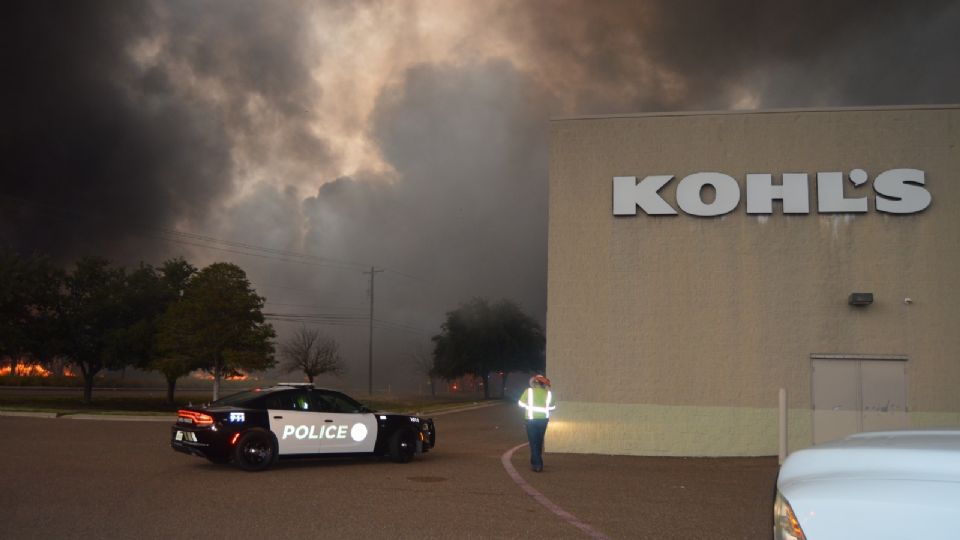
[539,379]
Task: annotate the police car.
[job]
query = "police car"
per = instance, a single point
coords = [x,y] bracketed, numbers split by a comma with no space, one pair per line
[252,429]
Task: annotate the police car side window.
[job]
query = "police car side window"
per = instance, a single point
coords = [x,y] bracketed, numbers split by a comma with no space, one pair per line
[321,403]
[277,403]
[288,401]
[341,404]
[301,402]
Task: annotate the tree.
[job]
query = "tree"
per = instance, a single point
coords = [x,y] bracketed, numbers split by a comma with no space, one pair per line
[144,299]
[174,275]
[29,287]
[218,323]
[309,351]
[479,338]
[520,339]
[91,319]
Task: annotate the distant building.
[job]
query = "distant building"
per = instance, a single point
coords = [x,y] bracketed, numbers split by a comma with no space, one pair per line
[700,262]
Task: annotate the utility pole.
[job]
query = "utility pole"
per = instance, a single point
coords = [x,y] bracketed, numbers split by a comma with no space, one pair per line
[373,272]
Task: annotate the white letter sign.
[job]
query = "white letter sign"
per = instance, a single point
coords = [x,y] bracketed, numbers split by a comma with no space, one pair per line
[795,193]
[901,191]
[628,194]
[898,191]
[830,194]
[688,194]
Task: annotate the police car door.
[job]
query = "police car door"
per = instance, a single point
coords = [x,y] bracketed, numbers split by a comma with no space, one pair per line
[295,422]
[347,429]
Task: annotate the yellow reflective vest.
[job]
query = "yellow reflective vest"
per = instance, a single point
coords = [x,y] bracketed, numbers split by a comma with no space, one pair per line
[538,402]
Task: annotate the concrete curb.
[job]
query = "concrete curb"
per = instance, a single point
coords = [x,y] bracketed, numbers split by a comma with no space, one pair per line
[29,414]
[505,460]
[470,407]
[173,419]
[81,416]
[121,417]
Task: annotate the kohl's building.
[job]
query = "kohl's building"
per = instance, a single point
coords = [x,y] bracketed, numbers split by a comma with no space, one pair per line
[700,262]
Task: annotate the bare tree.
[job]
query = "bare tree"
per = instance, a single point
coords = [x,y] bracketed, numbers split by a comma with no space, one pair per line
[422,361]
[314,354]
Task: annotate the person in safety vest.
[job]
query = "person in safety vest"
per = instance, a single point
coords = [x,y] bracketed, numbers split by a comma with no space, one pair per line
[537,401]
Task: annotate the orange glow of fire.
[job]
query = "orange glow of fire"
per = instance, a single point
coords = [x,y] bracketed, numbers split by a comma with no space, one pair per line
[204,376]
[26,370]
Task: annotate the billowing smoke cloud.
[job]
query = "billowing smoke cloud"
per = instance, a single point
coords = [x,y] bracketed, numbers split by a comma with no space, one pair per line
[608,56]
[409,136]
[463,215]
[133,115]
[85,132]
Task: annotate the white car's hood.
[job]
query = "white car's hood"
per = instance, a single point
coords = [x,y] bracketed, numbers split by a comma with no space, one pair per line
[896,485]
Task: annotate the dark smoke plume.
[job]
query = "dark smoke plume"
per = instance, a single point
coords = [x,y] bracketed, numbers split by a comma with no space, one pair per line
[131,124]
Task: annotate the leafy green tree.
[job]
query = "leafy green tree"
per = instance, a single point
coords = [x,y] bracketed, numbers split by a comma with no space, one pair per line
[29,288]
[218,323]
[311,352]
[520,341]
[144,300]
[479,338]
[150,292]
[92,319]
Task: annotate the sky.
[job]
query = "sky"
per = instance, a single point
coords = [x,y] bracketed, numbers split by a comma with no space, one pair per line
[309,142]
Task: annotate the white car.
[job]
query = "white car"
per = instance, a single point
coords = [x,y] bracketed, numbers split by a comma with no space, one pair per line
[902,485]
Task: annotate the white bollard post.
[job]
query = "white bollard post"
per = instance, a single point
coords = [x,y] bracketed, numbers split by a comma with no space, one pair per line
[783,425]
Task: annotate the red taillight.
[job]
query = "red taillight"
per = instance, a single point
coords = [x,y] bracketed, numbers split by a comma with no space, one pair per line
[233,440]
[197,418]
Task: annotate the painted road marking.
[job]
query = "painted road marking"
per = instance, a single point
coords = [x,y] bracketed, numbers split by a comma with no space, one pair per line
[540,498]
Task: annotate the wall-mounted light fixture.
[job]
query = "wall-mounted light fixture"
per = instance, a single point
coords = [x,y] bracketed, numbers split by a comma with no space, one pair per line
[860,299]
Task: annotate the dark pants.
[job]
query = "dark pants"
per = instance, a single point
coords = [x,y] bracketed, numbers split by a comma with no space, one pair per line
[536,429]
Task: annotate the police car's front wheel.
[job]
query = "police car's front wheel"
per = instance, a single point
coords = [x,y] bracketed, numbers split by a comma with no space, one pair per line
[255,451]
[403,445]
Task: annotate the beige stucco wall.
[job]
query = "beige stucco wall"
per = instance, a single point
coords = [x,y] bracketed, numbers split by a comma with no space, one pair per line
[671,335]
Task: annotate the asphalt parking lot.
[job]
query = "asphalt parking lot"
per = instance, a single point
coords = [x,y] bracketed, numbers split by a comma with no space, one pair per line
[66,478]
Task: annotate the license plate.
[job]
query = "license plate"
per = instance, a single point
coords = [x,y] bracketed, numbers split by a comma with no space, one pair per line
[186,436]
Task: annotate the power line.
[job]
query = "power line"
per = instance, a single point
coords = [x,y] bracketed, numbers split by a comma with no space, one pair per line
[253,250]
[402,326]
[319,317]
[263,285]
[345,321]
[197,240]
[310,306]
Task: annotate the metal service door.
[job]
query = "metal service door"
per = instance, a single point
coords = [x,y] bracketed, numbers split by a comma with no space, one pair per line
[884,395]
[854,394]
[836,405]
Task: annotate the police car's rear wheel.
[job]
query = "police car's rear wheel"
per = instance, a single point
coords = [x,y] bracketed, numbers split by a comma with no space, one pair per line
[403,445]
[254,451]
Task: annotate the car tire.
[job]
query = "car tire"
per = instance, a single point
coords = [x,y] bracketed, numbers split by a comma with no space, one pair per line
[403,445]
[255,451]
